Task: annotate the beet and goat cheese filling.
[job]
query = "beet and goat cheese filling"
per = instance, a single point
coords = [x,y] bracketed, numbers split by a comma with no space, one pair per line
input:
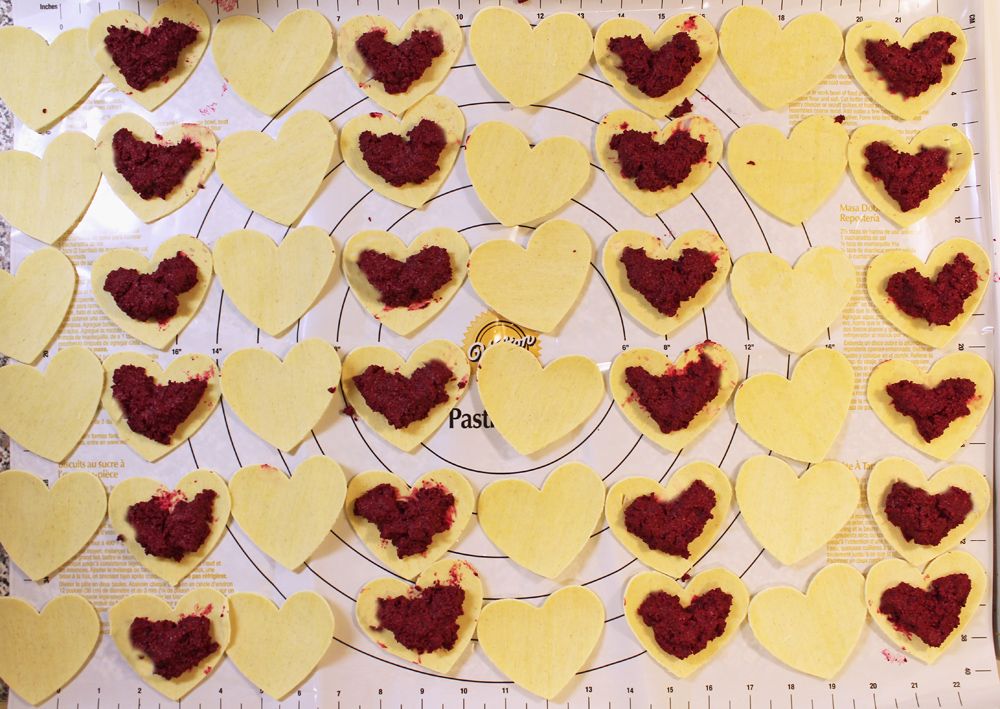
[907,178]
[425,622]
[174,648]
[145,57]
[656,72]
[409,523]
[674,398]
[153,170]
[685,631]
[923,518]
[397,66]
[932,410]
[152,296]
[666,283]
[931,615]
[155,410]
[670,526]
[938,301]
[911,71]
[409,283]
[168,526]
[403,400]
[404,161]
[654,166]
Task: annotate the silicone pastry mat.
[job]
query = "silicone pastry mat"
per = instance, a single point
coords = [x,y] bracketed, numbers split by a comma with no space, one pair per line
[357,673]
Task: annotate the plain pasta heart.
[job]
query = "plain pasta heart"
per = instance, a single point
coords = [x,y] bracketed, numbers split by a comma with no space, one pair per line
[34,302]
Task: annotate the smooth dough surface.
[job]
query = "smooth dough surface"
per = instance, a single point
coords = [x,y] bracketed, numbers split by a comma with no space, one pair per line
[34,302]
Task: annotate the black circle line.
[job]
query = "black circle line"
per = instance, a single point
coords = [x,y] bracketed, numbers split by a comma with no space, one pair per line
[749,206]
[343,303]
[351,209]
[574,200]
[586,583]
[413,209]
[760,554]
[669,230]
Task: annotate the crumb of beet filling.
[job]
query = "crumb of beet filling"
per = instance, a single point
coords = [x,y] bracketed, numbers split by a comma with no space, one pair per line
[670,526]
[425,622]
[674,398]
[911,71]
[907,178]
[401,399]
[923,518]
[682,109]
[404,161]
[168,526]
[153,170]
[654,165]
[402,284]
[932,410]
[154,410]
[173,648]
[684,631]
[666,283]
[397,66]
[656,73]
[146,57]
[839,118]
[152,296]
[937,301]
[931,615]
[410,522]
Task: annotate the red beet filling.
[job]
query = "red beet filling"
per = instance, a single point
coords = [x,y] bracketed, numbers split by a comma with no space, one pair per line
[426,622]
[685,631]
[931,615]
[397,66]
[146,57]
[151,169]
[403,400]
[404,161]
[666,283]
[932,410]
[169,526]
[404,284]
[674,398]
[907,178]
[938,301]
[154,410]
[656,73]
[411,522]
[924,518]
[911,71]
[682,109]
[174,648]
[152,296]
[672,525]
[653,165]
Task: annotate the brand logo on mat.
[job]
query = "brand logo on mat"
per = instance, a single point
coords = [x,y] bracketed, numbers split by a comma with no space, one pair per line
[488,328]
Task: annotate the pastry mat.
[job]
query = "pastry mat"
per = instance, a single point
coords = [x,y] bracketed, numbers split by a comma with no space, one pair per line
[619,674]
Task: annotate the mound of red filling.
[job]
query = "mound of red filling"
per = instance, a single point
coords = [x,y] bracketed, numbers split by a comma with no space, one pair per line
[923,518]
[153,170]
[410,522]
[425,622]
[685,631]
[907,178]
[401,399]
[932,410]
[674,398]
[152,296]
[670,526]
[404,284]
[404,161]
[931,615]
[654,165]
[397,66]
[911,71]
[154,410]
[666,283]
[938,301]
[146,57]
[169,526]
[173,648]
[656,73]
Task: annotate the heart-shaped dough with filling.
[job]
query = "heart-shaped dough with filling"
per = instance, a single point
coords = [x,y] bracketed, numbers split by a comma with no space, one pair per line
[799,417]
[649,202]
[404,320]
[943,136]
[527,64]
[134,490]
[535,286]
[889,573]
[777,65]
[542,648]
[281,401]
[181,369]
[153,333]
[415,433]
[149,210]
[817,631]
[258,274]
[790,178]
[51,79]
[447,572]
[34,302]
[278,178]
[658,364]
[696,27]
[42,652]
[635,302]
[520,183]
[277,648]
[205,602]
[649,582]
[875,85]
[888,471]
[625,492]
[48,412]
[887,264]
[792,306]
[545,529]
[46,197]
[959,365]
[185,12]
[412,565]
[430,18]
[790,515]
[534,406]
[269,69]
[437,109]
[289,517]
[42,528]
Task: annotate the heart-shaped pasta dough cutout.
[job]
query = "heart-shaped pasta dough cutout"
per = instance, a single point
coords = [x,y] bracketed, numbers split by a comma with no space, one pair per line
[545,529]
[132,491]
[793,516]
[255,273]
[281,401]
[958,365]
[33,303]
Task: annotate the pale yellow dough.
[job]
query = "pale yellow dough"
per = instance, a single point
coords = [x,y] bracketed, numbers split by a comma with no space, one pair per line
[33,303]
